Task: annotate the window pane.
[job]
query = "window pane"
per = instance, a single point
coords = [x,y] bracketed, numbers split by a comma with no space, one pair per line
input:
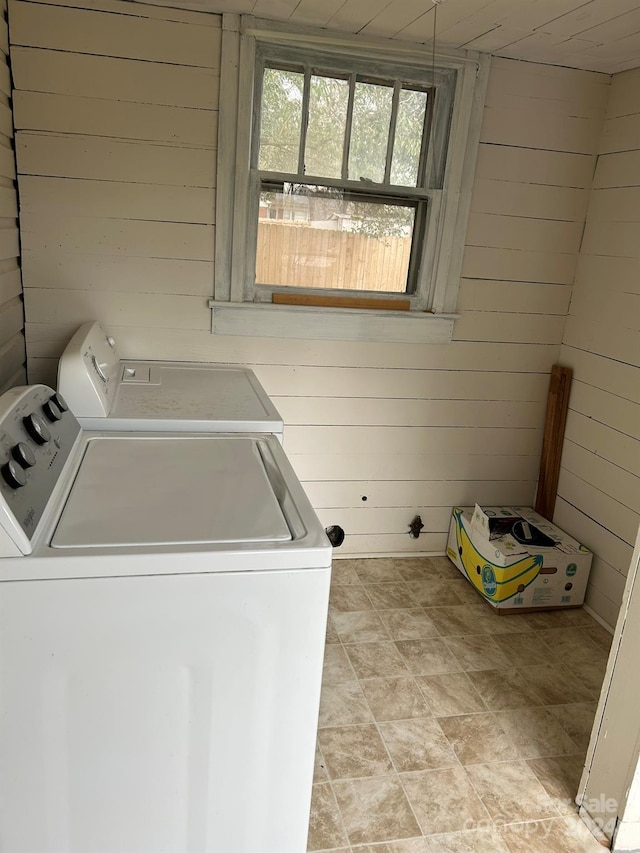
[280,120]
[328,97]
[370,132]
[408,139]
[311,236]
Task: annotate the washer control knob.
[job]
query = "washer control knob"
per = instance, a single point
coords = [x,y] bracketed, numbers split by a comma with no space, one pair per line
[60,402]
[51,411]
[13,474]
[37,428]
[23,455]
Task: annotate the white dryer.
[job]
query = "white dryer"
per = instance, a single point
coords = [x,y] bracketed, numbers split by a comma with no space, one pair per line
[163,601]
[110,393]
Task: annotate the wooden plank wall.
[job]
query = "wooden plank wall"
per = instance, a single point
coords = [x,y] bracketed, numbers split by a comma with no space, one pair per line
[12,344]
[116,118]
[599,489]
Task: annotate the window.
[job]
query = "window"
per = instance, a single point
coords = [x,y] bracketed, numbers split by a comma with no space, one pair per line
[349,181]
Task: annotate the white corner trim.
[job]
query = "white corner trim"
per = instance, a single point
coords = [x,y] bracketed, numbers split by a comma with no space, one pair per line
[330,324]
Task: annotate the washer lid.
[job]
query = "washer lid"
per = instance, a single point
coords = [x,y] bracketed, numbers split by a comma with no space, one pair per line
[151,490]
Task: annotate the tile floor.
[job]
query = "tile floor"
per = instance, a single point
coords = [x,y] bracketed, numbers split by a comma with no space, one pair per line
[445,728]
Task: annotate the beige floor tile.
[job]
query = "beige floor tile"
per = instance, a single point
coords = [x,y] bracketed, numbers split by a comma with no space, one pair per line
[378,570]
[408,624]
[375,810]
[351,597]
[472,841]
[444,567]
[359,626]
[598,635]
[547,619]
[477,738]
[562,835]
[536,733]
[332,634]
[343,572]
[319,770]
[407,643]
[523,649]
[390,596]
[376,660]
[476,652]
[572,645]
[326,830]
[590,674]
[560,778]
[427,657]
[351,752]
[505,623]
[419,568]
[406,845]
[503,689]
[434,593]
[553,685]
[444,800]
[511,792]
[451,693]
[579,617]
[457,620]
[577,721]
[395,698]
[466,592]
[417,745]
[343,704]
[336,666]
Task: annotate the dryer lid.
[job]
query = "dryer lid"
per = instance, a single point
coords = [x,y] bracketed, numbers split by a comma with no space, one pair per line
[225,395]
[147,490]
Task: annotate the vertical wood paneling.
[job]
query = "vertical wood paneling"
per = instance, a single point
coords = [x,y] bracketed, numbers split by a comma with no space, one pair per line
[599,491]
[377,431]
[12,344]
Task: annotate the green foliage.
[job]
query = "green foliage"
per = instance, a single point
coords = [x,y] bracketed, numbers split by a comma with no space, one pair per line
[281,123]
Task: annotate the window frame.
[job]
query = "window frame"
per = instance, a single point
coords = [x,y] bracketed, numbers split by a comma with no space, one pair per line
[247,42]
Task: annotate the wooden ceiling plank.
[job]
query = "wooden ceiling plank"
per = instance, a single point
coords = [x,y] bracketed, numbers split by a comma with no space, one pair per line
[449,14]
[541,12]
[615,29]
[354,15]
[398,15]
[618,51]
[279,10]
[311,13]
[484,20]
[597,12]
[496,39]
[544,47]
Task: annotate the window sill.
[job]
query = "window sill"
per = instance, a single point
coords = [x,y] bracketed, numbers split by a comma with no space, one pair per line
[329,324]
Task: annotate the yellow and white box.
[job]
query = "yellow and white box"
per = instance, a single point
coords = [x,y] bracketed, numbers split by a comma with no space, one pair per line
[516,559]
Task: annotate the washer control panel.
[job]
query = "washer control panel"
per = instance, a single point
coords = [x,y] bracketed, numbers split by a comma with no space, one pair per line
[37,435]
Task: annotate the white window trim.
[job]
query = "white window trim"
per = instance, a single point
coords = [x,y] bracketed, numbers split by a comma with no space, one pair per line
[234,310]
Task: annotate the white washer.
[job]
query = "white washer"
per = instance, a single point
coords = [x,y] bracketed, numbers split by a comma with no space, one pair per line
[163,601]
[106,392]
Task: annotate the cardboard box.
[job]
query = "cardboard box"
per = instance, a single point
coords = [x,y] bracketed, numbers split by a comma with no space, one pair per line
[517,560]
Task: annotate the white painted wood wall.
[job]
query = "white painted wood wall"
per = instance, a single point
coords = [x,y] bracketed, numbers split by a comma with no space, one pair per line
[599,489]
[115,110]
[12,347]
